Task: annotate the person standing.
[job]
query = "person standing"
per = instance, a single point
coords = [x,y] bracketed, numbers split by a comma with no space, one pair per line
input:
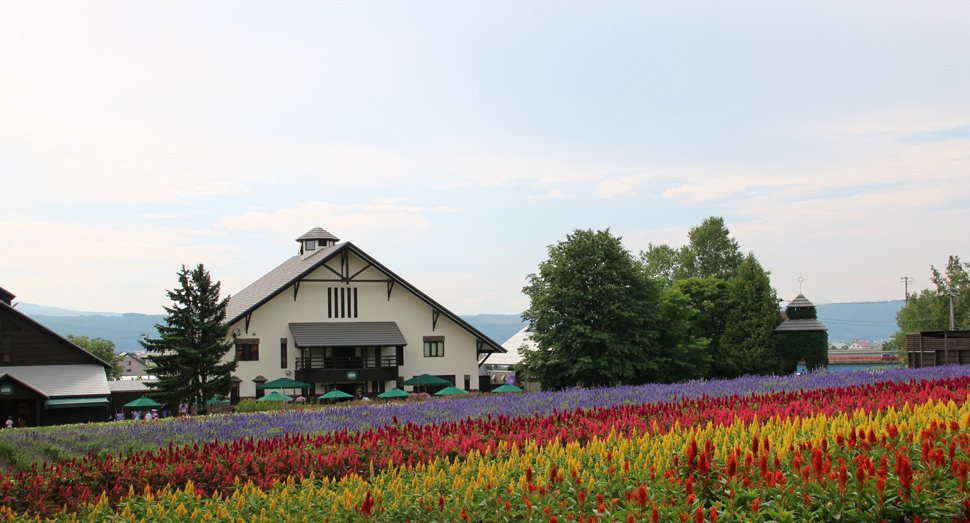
[9,423]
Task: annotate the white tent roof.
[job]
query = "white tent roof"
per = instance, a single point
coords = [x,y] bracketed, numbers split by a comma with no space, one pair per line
[523,337]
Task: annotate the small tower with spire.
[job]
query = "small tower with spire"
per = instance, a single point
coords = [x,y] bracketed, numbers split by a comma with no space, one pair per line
[802,337]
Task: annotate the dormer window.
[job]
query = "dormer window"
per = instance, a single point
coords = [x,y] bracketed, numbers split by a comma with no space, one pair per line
[310,245]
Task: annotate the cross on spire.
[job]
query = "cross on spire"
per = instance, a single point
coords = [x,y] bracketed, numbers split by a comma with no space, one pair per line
[799,279]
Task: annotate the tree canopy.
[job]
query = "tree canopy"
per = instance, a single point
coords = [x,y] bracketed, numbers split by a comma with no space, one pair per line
[592,314]
[929,310]
[599,316]
[193,343]
[103,349]
[710,251]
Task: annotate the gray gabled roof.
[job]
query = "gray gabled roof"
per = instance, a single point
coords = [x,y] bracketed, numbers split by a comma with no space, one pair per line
[294,269]
[54,381]
[800,301]
[347,334]
[801,325]
[129,385]
[265,288]
[317,233]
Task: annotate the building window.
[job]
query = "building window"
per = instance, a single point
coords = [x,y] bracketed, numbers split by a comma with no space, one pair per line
[310,245]
[342,302]
[6,349]
[434,346]
[247,350]
[282,353]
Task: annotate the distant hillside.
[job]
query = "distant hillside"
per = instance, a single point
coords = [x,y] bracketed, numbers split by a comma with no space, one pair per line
[31,309]
[869,320]
[499,327]
[846,322]
[125,330]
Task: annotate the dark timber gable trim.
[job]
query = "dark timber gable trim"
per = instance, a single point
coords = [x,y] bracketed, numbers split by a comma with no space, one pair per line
[55,336]
[344,250]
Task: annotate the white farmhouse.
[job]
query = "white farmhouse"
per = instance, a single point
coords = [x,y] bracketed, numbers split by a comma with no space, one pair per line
[334,317]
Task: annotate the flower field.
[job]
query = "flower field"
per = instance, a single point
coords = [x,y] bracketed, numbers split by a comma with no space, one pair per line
[888,446]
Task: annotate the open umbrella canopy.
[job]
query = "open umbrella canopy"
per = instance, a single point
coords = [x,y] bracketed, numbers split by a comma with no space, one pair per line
[394,393]
[507,388]
[143,401]
[450,390]
[337,394]
[426,379]
[217,400]
[275,396]
[284,383]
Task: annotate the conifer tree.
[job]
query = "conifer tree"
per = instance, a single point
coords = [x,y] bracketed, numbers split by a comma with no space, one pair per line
[748,343]
[193,342]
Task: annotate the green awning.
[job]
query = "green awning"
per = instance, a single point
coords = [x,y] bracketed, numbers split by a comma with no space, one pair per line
[67,403]
[284,383]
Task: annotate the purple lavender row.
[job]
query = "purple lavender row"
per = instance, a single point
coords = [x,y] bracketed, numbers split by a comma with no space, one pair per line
[52,443]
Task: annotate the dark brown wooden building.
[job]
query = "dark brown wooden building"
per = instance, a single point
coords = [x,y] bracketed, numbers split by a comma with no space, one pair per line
[934,348]
[44,378]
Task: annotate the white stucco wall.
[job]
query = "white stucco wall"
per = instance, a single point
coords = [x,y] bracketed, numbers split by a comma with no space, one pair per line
[270,323]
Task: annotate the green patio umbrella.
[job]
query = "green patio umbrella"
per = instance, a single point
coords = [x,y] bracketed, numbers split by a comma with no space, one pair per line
[337,393]
[284,383]
[275,396]
[426,379]
[394,393]
[143,401]
[450,390]
[507,388]
[217,400]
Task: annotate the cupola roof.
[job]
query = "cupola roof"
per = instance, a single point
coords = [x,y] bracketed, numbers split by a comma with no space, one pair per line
[317,233]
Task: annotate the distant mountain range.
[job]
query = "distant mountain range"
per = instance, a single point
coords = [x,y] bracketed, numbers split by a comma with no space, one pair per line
[873,321]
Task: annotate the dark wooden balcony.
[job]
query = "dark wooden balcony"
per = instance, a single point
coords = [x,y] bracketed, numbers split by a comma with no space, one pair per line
[346,362]
[339,369]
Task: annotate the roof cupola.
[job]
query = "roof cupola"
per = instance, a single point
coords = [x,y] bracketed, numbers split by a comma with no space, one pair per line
[314,240]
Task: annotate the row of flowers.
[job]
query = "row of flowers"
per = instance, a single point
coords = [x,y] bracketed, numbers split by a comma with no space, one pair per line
[55,443]
[219,469]
[864,464]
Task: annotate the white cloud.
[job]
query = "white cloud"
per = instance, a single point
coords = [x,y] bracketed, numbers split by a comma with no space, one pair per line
[388,222]
[552,195]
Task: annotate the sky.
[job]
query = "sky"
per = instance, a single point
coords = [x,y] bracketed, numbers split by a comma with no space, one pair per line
[455,141]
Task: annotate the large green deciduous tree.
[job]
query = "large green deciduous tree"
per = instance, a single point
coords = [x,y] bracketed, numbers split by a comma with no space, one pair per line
[103,349]
[593,316]
[193,342]
[660,263]
[748,343]
[710,251]
[929,310]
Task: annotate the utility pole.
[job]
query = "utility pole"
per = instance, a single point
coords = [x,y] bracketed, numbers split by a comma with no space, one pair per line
[953,322]
[906,281]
